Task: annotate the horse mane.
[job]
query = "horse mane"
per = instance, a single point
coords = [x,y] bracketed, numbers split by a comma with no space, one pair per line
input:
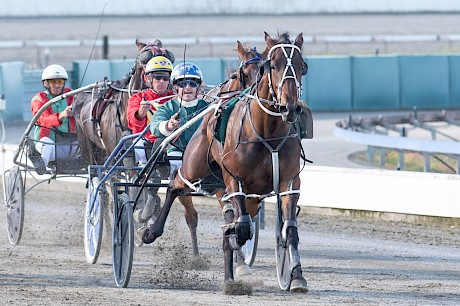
[283,38]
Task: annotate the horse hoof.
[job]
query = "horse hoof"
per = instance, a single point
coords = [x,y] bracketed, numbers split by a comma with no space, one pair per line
[243,270]
[147,237]
[299,285]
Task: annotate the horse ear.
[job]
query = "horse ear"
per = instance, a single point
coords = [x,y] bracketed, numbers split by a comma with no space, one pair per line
[269,43]
[158,43]
[139,45]
[268,40]
[299,40]
[240,49]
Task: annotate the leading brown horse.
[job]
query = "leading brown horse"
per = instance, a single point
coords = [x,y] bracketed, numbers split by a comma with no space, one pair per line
[260,128]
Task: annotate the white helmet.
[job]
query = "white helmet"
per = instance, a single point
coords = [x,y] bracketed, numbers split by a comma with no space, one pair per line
[54,72]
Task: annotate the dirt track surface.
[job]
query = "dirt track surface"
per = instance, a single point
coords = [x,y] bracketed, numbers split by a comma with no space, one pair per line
[346,260]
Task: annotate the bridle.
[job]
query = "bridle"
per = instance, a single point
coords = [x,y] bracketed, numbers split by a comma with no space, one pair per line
[289,67]
[255,60]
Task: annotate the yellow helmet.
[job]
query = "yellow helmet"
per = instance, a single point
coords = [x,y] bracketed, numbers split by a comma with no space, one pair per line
[158,63]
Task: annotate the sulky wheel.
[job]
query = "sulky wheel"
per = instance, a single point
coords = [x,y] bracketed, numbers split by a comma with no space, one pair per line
[122,240]
[250,247]
[14,200]
[283,260]
[94,220]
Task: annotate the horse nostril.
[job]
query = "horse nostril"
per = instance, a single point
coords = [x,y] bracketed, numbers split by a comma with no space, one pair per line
[298,109]
[283,109]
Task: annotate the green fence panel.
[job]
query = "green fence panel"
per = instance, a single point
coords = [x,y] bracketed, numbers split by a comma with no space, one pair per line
[375,82]
[11,86]
[454,70]
[424,81]
[327,86]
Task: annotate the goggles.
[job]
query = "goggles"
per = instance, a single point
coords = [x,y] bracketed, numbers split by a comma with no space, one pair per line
[191,83]
[159,77]
[56,82]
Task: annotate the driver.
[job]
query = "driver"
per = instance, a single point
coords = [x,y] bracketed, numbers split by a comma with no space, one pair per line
[56,119]
[139,114]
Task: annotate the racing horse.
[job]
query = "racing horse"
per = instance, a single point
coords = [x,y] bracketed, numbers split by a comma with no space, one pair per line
[241,78]
[260,128]
[101,116]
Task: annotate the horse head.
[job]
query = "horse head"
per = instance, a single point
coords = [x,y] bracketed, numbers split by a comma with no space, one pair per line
[283,71]
[146,52]
[249,66]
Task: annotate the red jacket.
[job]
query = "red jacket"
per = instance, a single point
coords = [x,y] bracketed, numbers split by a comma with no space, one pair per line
[49,118]
[138,125]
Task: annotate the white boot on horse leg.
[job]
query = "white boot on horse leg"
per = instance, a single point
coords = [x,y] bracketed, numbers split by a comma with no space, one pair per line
[242,269]
[152,205]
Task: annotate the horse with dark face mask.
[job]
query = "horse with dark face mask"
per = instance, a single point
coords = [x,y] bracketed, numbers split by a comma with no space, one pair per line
[101,116]
[259,157]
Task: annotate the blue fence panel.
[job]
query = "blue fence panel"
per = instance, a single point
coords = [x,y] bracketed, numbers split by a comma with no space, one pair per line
[424,81]
[11,86]
[95,71]
[332,84]
[327,86]
[210,67]
[375,83]
[32,85]
[454,65]
[228,67]
[120,68]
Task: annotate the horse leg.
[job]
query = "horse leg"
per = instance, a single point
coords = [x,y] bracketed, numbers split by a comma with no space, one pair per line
[228,228]
[156,229]
[289,233]
[191,217]
[151,207]
[237,231]
[298,282]
[243,269]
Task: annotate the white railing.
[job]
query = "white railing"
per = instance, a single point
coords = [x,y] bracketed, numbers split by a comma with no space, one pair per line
[179,41]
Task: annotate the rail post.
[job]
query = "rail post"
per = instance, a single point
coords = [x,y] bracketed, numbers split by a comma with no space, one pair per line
[105,47]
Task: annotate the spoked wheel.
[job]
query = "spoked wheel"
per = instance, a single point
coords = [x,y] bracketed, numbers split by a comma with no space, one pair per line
[250,247]
[94,220]
[14,200]
[283,260]
[122,240]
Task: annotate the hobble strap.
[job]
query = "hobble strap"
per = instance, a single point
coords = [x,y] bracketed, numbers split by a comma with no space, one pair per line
[194,186]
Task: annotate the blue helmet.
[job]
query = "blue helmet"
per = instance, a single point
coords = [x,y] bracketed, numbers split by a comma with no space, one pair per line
[186,70]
